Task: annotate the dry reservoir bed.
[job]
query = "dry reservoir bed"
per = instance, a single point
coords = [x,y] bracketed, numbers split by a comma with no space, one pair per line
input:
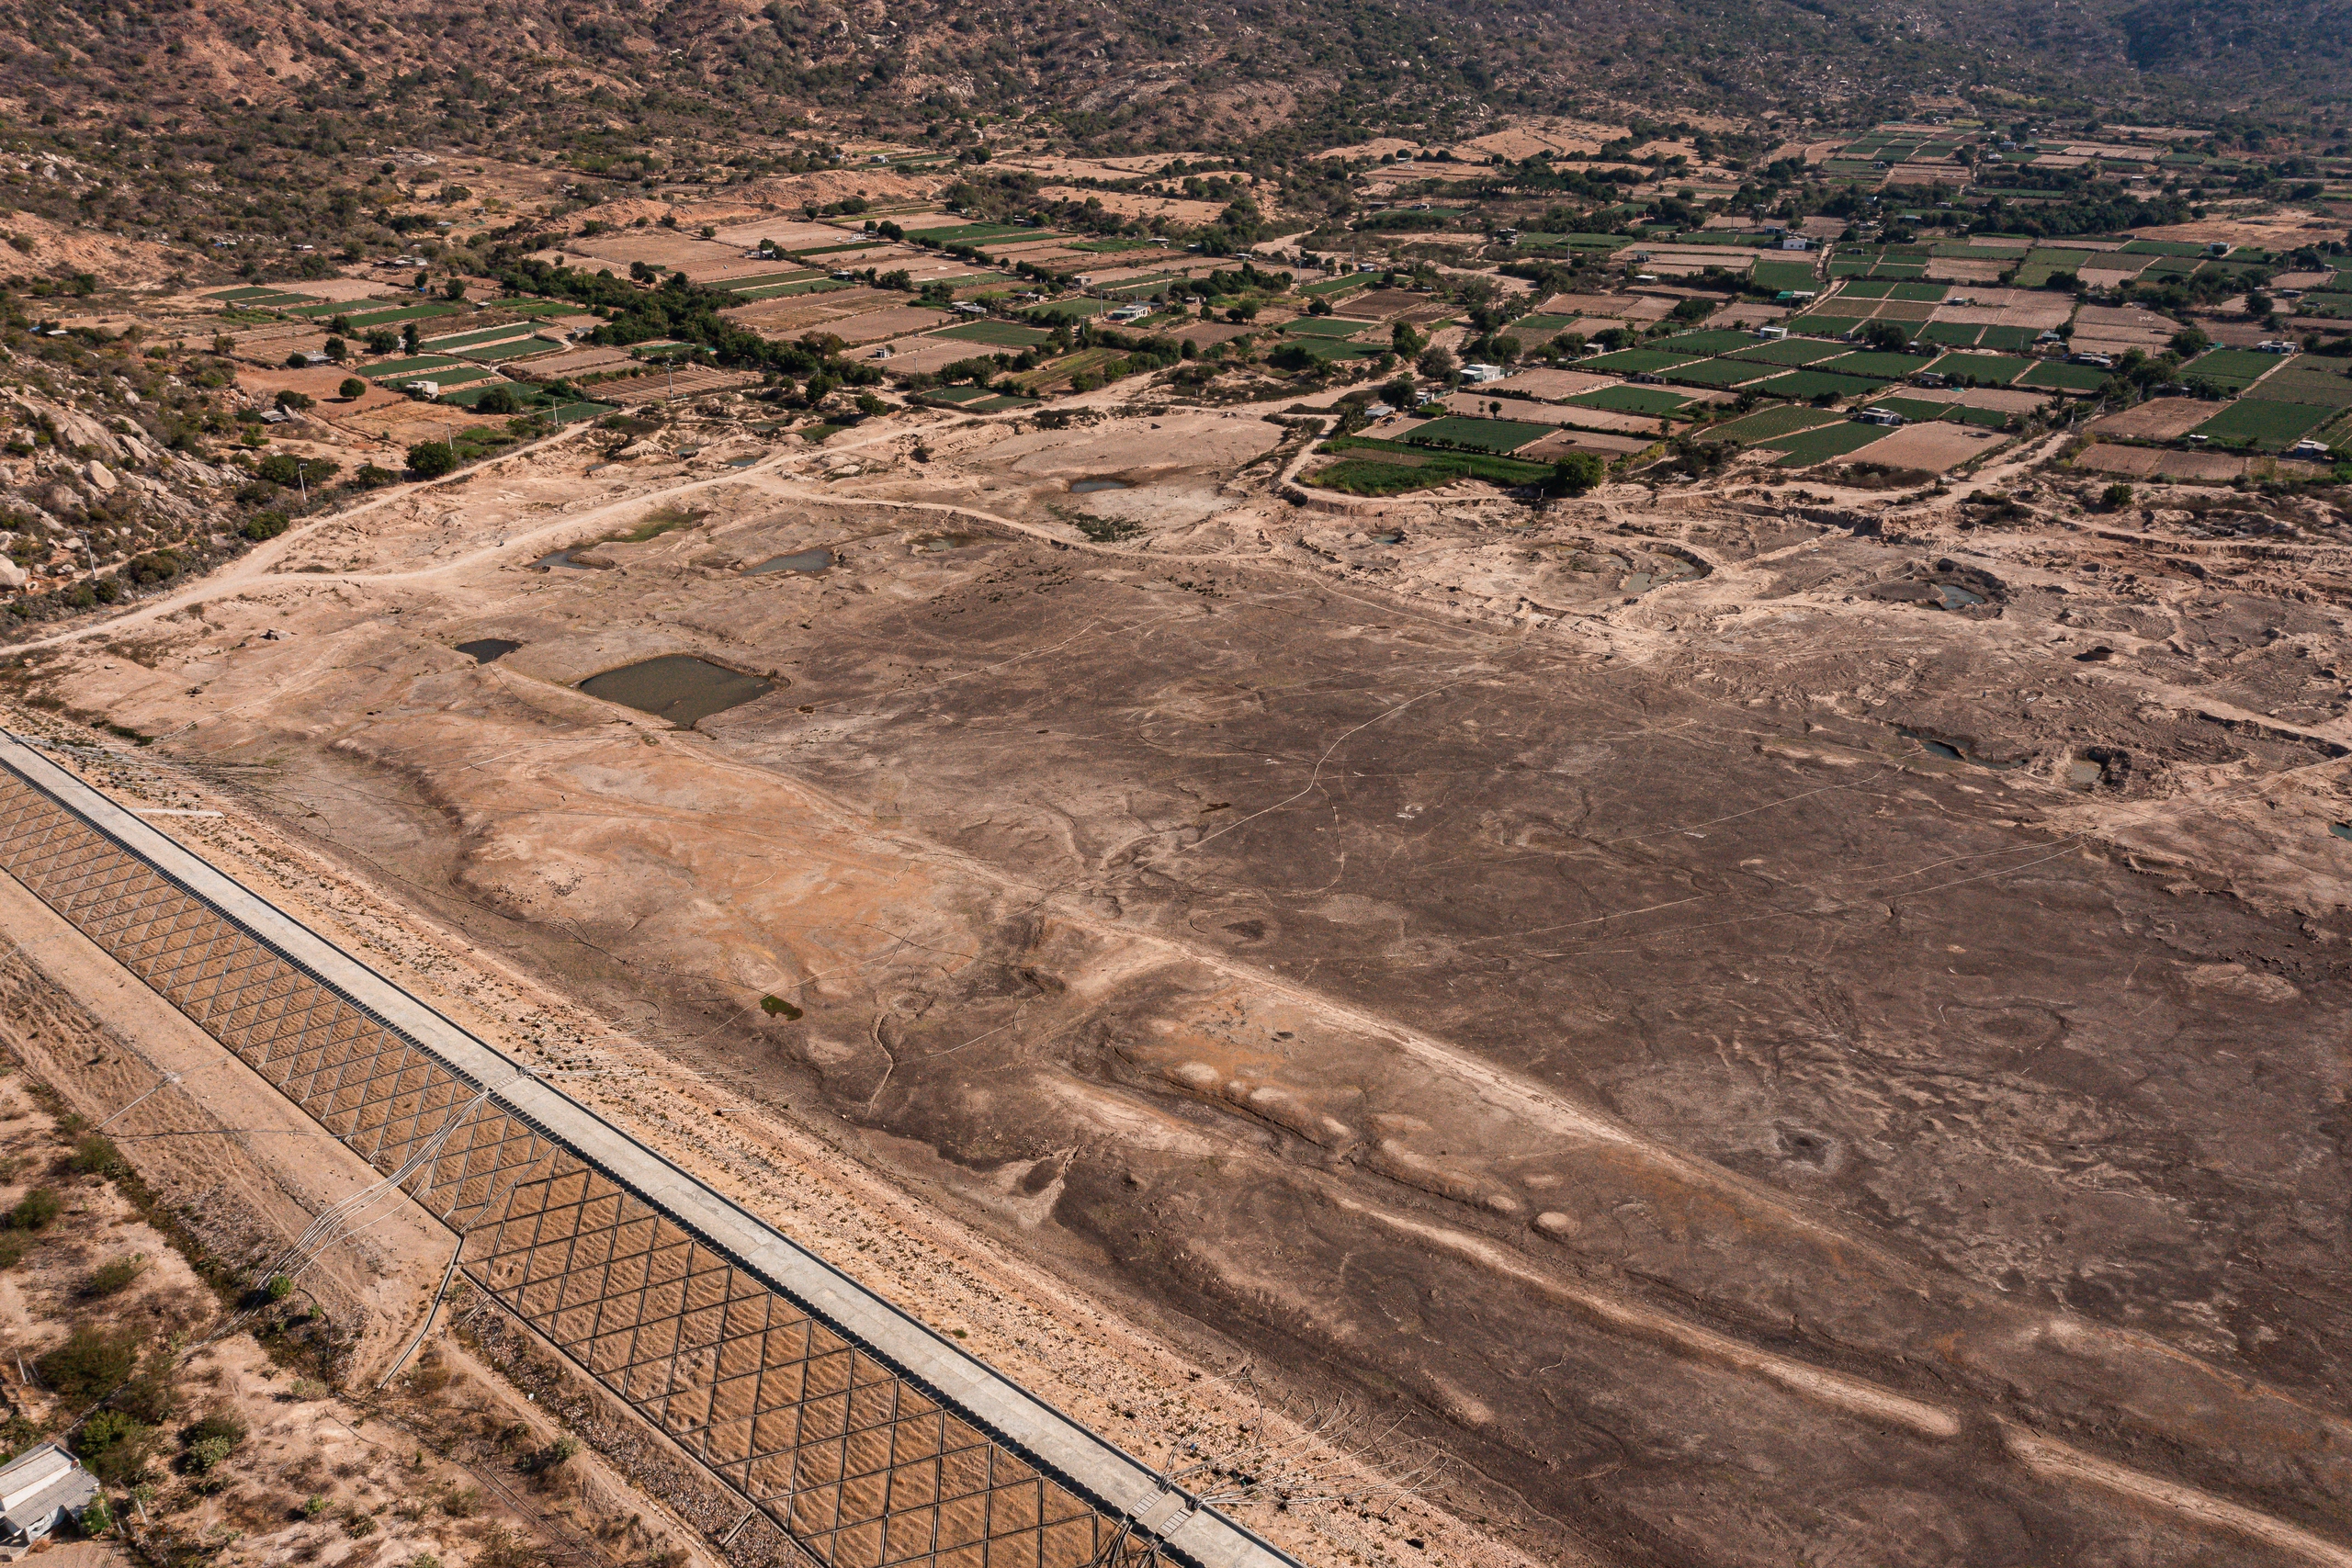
[1728,1130]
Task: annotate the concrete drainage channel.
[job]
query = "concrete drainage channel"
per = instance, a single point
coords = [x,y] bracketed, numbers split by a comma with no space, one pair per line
[865,1438]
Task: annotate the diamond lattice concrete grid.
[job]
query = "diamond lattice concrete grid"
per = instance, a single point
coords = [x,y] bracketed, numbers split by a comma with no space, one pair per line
[858,1466]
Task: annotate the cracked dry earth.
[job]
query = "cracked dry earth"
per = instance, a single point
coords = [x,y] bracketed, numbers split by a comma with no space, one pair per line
[1753,1065]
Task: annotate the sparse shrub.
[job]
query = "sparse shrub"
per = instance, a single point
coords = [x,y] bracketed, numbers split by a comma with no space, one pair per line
[94,1154]
[264,526]
[313,1506]
[34,1209]
[356,1525]
[461,1502]
[206,1443]
[114,1445]
[113,1279]
[777,1007]
[90,1364]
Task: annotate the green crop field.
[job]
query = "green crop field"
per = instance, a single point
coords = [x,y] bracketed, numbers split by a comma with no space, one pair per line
[1777,276]
[1768,425]
[457,341]
[1953,334]
[535,308]
[2007,340]
[1818,446]
[572,414]
[2163,248]
[1718,373]
[2308,384]
[1810,384]
[423,365]
[1114,245]
[1984,419]
[1539,328]
[997,334]
[1884,289]
[496,353]
[1323,326]
[1324,288]
[1066,309]
[402,313]
[1894,367]
[1792,351]
[1983,369]
[2236,368]
[974,233]
[2052,375]
[1911,409]
[2264,425]
[1418,467]
[1713,340]
[1497,437]
[956,397]
[1651,401]
[1823,323]
[1635,361]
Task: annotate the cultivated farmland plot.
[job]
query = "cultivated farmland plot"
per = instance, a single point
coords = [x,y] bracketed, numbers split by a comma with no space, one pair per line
[2264,425]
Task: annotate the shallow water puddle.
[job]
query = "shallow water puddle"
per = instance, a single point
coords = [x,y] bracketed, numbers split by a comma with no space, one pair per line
[1955,597]
[1089,487]
[808,561]
[678,687]
[563,558]
[939,544]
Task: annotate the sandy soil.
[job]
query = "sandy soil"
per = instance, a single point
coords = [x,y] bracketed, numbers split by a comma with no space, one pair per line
[1930,447]
[1520,968]
[2159,419]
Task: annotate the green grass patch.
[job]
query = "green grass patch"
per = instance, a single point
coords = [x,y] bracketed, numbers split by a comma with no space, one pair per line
[1823,442]
[1654,401]
[2162,248]
[1326,287]
[1806,385]
[539,307]
[997,334]
[572,414]
[976,233]
[2263,425]
[1768,425]
[1953,334]
[1322,326]
[1913,409]
[1114,245]
[1461,431]
[999,403]
[1635,361]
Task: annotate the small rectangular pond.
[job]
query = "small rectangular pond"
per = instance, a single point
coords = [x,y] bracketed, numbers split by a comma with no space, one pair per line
[678,687]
